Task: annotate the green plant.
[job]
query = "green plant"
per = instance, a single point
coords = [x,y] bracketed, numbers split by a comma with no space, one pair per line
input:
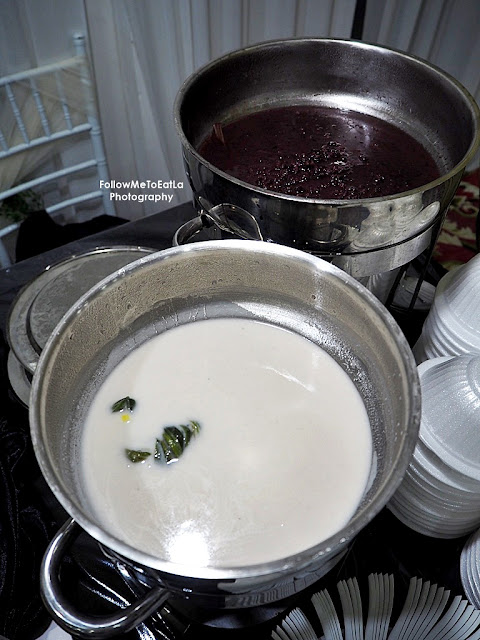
[17,207]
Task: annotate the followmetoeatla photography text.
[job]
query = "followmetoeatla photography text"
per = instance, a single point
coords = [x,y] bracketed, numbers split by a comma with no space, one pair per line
[127,190]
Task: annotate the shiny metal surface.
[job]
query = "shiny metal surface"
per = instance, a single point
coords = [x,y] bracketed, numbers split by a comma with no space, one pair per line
[83,625]
[188,230]
[232,219]
[19,378]
[226,278]
[43,301]
[363,237]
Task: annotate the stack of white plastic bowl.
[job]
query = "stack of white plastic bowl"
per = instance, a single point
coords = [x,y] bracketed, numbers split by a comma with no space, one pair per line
[452,326]
[440,493]
[470,569]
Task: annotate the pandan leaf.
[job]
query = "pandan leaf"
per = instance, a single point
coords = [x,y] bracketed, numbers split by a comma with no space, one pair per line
[174,441]
[187,433]
[195,427]
[163,453]
[137,456]
[125,404]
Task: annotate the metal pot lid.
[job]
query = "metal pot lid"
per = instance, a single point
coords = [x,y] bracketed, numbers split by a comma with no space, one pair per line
[19,379]
[41,304]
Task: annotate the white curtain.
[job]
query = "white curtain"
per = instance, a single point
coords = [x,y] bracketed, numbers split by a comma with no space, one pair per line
[444,32]
[142,52]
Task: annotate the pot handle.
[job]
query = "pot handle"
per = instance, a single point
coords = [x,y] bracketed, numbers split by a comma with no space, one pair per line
[68,617]
[232,219]
[226,217]
[185,233]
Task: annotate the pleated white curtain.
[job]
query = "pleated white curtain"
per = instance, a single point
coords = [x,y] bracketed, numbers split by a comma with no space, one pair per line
[142,52]
[444,32]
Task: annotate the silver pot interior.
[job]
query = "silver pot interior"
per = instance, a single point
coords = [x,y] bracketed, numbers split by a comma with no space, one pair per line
[361,236]
[233,278]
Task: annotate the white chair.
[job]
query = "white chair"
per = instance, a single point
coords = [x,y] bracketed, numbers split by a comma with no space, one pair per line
[51,141]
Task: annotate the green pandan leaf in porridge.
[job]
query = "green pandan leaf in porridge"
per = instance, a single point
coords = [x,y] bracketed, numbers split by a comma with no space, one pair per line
[195,427]
[137,456]
[124,404]
[187,434]
[163,453]
[174,441]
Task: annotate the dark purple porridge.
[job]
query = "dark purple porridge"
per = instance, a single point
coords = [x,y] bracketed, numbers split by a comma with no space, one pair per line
[320,152]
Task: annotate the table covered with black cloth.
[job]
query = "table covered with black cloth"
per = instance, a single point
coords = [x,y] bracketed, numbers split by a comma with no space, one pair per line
[30,515]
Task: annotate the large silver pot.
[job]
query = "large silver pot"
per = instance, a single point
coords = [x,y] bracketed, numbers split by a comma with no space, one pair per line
[363,237]
[226,278]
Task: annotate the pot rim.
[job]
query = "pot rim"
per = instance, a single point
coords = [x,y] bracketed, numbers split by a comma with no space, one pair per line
[287,565]
[460,166]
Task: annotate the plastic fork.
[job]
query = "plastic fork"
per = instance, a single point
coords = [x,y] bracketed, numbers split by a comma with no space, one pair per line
[295,626]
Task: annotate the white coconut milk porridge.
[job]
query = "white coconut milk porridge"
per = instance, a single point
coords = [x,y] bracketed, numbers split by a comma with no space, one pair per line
[280,462]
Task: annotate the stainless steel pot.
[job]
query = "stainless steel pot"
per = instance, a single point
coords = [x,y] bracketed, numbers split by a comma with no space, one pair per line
[226,278]
[363,237]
